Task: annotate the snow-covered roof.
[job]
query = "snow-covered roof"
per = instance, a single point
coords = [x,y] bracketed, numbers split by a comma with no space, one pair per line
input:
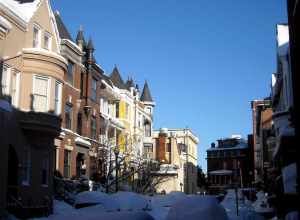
[23,11]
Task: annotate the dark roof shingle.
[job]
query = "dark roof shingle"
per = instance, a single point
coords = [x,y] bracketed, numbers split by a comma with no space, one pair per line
[62,29]
[146,95]
[116,79]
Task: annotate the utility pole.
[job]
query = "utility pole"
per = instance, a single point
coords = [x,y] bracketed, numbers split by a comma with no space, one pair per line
[187,160]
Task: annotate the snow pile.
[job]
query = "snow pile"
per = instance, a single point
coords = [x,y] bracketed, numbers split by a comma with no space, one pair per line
[197,207]
[161,204]
[129,201]
[88,198]
[167,200]
[245,208]
[261,204]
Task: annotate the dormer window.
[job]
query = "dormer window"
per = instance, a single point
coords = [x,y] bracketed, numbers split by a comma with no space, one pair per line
[47,41]
[36,36]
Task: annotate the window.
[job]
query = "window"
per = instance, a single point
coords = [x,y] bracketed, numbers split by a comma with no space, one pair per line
[168,147]
[67,164]
[148,129]
[79,123]
[148,151]
[45,170]
[94,89]
[26,167]
[81,85]
[70,72]
[68,116]
[47,41]
[93,128]
[104,107]
[15,89]
[149,110]
[117,109]
[57,98]
[40,93]
[5,80]
[36,37]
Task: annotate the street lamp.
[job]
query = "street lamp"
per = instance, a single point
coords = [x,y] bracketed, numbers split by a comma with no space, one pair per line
[117,151]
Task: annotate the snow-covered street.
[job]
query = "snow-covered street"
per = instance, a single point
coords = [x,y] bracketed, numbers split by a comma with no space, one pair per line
[173,206]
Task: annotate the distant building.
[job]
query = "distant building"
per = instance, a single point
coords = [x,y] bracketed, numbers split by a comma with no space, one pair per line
[229,164]
[176,151]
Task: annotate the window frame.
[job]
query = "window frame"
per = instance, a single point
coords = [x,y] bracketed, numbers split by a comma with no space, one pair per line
[70,116]
[5,83]
[36,43]
[58,98]
[35,77]
[67,166]
[49,36]
[93,128]
[70,73]
[94,89]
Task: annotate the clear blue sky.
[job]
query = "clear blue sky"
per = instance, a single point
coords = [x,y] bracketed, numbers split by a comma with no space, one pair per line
[204,60]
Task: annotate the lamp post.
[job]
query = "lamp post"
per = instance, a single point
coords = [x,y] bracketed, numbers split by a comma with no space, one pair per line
[117,151]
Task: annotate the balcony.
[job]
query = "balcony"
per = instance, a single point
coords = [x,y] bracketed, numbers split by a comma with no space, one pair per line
[39,122]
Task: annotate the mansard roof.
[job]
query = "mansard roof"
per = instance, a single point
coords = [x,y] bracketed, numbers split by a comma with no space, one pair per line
[62,29]
[146,95]
[117,79]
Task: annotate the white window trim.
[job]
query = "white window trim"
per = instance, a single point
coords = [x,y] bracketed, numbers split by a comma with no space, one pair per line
[36,26]
[17,90]
[48,89]
[59,97]
[7,80]
[49,46]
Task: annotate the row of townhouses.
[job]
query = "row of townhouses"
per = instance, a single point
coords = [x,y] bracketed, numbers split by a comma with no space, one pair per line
[59,110]
[274,137]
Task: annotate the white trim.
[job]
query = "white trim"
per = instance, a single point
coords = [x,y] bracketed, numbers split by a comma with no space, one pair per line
[17,89]
[59,84]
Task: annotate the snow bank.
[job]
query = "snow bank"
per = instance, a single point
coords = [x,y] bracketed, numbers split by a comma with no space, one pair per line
[96,197]
[197,207]
[167,200]
[245,208]
[129,201]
